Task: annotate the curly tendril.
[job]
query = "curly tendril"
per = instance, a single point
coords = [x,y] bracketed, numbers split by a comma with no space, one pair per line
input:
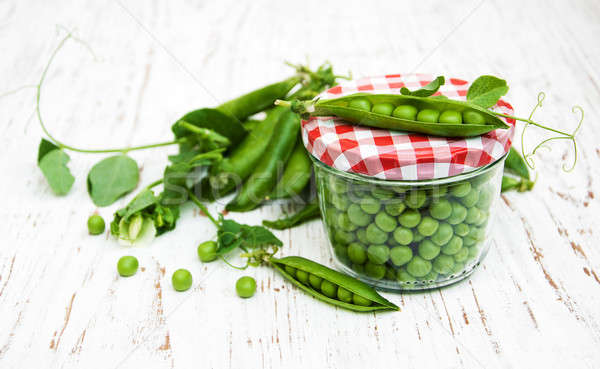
[561,135]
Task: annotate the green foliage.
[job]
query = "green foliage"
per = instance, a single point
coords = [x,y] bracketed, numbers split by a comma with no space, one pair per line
[212,119]
[112,178]
[427,90]
[53,163]
[232,235]
[485,91]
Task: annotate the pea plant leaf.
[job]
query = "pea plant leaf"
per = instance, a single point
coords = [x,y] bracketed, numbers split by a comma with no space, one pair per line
[44,148]
[485,91]
[144,200]
[213,119]
[112,178]
[427,90]
[54,167]
[232,235]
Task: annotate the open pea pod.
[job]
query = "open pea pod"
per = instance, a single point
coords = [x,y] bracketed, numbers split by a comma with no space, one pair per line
[339,107]
[368,299]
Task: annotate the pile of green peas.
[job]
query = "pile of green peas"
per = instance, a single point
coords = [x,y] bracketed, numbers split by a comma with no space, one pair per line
[410,112]
[407,235]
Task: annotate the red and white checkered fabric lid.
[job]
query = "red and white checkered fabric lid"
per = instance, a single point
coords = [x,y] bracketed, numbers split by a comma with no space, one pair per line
[397,155]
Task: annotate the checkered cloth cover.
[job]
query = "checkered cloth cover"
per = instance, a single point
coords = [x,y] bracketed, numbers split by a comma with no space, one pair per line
[397,155]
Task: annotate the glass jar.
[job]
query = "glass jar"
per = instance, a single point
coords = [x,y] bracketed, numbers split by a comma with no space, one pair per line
[408,235]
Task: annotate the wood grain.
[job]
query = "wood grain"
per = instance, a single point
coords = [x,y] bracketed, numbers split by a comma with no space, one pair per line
[533,303]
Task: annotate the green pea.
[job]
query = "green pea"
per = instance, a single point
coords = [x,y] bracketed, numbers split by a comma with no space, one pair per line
[473,215]
[382,193]
[96,224]
[370,205]
[127,266]
[343,237]
[459,268]
[385,222]
[302,276]
[409,218]
[374,271]
[443,234]
[401,255]
[407,112]
[344,295]
[461,229]
[341,251]
[395,208]
[207,251]
[483,218]
[403,236]
[345,224]
[376,235]
[461,189]
[182,280]
[415,199]
[357,216]
[361,234]
[469,241]
[473,117]
[459,213]
[471,198]
[383,109]
[404,276]
[437,191]
[453,246]
[337,186]
[428,250]
[485,199]
[443,264]
[440,209]
[390,274]
[473,253]
[360,103]
[378,254]
[477,233]
[450,117]
[361,301]
[417,237]
[315,281]
[428,226]
[428,115]
[418,267]
[290,270]
[329,289]
[357,253]
[358,268]
[245,287]
[340,202]
[462,254]
[429,277]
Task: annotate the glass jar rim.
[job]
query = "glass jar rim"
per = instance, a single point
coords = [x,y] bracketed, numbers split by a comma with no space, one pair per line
[420,182]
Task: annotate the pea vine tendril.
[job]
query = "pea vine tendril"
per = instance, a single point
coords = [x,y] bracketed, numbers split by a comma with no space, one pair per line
[561,135]
[59,143]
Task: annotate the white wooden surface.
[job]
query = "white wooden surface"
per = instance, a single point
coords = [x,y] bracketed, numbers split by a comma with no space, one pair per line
[535,302]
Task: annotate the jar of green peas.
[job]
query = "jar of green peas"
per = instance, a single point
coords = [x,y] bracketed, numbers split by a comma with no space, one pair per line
[405,211]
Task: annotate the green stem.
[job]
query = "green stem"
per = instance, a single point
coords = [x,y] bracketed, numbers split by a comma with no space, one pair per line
[154,184]
[62,145]
[532,122]
[199,204]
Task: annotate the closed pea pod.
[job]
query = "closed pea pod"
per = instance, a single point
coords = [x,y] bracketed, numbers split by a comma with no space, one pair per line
[261,182]
[357,296]
[296,174]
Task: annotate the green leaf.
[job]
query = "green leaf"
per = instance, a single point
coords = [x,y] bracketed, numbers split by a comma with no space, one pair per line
[112,178]
[427,90]
[54,167]
[175,184]
[142,201]
[44,148]
[257,236]
[232,235]
[223,124]
[486,91]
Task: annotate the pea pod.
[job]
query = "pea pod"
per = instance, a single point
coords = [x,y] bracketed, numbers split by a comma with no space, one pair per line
[516,164]
[511,183]
[356,108]
[264,178]
[309,212]
[363,297]
[258,100]
[244,158]
[296,174]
